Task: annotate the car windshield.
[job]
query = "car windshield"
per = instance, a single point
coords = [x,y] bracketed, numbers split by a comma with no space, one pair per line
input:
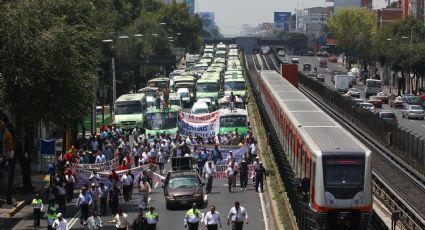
[415,107]
[200,111]
[162,120]
[175,102]
[128,107]
[414,101]
[344,172]
[184,94]
[207,87]
[234,85]
[233,121]
[182,182]
[388,115]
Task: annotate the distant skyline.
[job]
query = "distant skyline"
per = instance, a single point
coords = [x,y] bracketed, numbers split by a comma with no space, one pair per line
[231,14]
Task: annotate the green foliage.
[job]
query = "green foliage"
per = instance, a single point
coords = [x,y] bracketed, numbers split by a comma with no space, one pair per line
[48,59]
[356,31]
[296,41]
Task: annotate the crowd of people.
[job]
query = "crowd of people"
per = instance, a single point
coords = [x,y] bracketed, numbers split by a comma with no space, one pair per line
[131,149]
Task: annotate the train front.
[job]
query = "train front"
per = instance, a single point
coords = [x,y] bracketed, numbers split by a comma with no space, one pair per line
[343,194]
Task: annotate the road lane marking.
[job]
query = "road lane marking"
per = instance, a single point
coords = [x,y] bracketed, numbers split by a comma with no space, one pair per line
[74,220]
[263,208]
[156,185]
[423,126]
[205,197]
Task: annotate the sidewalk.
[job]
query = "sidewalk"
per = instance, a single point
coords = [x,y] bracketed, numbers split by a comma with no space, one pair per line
[39,182]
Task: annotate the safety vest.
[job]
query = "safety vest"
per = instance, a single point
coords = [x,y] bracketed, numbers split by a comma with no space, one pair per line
[151,217]
[51,217]
[193,215]
[37,203]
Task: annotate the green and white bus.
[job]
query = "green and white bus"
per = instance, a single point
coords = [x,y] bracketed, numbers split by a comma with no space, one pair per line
[130,111]
[164,120]
[229,121]
[208,88]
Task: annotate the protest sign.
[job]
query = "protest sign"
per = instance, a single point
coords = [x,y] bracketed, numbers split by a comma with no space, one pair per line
[204,118]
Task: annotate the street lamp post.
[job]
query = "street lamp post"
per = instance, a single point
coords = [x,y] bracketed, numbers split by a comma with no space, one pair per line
[114,83]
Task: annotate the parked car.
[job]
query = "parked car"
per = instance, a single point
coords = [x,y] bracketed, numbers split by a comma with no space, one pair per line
[412,111]
[353,92]
[182,188]
[375,101]
[397,103]
[388,116]
[384,97]
[281,53]
[332,59]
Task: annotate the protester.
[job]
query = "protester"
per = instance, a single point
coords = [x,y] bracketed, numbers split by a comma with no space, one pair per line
[212,219]
[61,195]
[209,172]
[94,193]
[231,176]
[94,222]
[84,201]
[260,175]
[120,220]
[103,195]
[126,181]
[60,223]
[140,222]
[145,190]
[114,195]
[237,216]
[152,218]
[37,205]
[192,217]
[243,174]
[94,178]
[70,181]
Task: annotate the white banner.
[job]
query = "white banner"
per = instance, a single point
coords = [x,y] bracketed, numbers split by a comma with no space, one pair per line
[204,118]
[202,129]
[112,164]
[237,151]
[84,175]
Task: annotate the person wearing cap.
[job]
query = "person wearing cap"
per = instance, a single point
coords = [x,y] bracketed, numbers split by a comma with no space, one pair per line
[120,220]
[84,200]
[94,222]
[237,216]
[51,217]
[94,193]
[260,175]
[37,205]
[192,218]
[243,174]
[60,223]
[212,219]
[152,218]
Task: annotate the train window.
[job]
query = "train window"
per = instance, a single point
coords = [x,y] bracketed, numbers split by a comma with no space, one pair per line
[343,171]
[301,162]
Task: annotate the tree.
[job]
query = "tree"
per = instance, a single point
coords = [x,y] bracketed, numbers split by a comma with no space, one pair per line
[48,59]
[296,41]
[356,31]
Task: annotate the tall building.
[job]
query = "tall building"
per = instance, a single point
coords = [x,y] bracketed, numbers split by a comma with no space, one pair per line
[413,8]
[208,20]
[312,22]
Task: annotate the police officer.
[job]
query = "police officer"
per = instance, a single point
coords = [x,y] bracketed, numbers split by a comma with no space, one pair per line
[37,205]
[152,218]
[192,218]
[51,217]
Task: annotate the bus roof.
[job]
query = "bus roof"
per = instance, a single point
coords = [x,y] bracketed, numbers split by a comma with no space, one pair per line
[131,97]
[162,110]
[226,112]
[207,79]
[159,79]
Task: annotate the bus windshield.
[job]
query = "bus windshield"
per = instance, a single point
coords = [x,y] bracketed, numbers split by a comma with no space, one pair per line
[233,121]
[128,107]
[159,84]
[234,85]
[161,121]
[207,87]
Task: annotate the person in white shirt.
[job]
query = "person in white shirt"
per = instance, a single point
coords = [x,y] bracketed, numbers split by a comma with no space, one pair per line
[212,219]
[94,222]
[94,177]
[254,150]
[100,158]
[209,173]
[126,181]
[94,193]
[60,223]
[237,216]
[120,220]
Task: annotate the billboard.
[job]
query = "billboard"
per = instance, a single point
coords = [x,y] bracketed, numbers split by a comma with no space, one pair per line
[281,20]
[208,20]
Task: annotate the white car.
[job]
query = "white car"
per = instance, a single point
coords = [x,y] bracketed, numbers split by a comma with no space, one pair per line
[200,108]
[281,53]
[176,101]
[295,60]
[184,94]
[413,111]
[368,106]
[353,92]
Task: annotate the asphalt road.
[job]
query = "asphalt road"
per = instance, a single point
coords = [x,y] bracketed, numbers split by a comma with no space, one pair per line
[169,219]
[415,126]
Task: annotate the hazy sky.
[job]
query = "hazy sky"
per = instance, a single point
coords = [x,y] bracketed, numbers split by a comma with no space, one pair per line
[231,14]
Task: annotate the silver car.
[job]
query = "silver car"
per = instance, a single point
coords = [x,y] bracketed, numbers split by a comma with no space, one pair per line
[413,111]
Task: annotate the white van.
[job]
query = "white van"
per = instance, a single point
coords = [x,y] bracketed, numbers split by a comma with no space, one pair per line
[130,111]
[200,108]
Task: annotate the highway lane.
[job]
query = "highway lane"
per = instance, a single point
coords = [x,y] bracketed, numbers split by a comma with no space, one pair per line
[415,126]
